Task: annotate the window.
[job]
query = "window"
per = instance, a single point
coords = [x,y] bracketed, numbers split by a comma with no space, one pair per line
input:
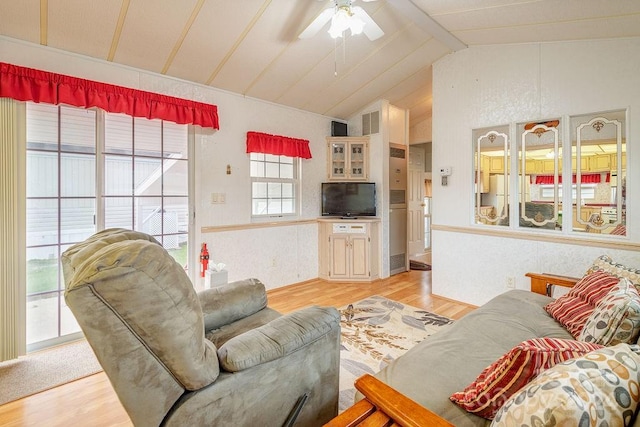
[570,182]
[587,191]
[274,183]
[88,170]
[491,160]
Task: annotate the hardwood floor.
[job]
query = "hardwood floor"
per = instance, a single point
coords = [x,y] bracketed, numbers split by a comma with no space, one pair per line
[91,401]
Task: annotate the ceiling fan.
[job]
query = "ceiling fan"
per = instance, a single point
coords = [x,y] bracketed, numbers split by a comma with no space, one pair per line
[343,17]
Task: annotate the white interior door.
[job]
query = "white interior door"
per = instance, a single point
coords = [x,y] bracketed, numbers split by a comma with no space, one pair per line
[416,204]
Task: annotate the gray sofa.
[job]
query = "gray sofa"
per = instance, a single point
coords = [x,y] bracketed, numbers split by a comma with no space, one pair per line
[448,361]
[452,358]
[180,358]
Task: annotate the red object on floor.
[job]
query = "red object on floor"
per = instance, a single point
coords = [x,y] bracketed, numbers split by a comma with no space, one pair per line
[204,259]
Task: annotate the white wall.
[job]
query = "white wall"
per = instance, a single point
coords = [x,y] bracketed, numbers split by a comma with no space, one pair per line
[279,255]
[493,85]
[421,132]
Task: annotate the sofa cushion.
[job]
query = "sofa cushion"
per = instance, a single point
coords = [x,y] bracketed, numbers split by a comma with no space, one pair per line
[514,370]
[616,318]
[600,388]
[608,265]
[573,309]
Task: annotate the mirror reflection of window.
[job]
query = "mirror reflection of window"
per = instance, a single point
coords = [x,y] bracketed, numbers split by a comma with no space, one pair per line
[599,172]
[491,151]
[539,174]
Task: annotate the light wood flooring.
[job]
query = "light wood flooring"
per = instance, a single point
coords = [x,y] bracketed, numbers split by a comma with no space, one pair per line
[92,402]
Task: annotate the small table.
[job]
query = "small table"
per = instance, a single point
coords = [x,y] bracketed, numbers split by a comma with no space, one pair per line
[385,406]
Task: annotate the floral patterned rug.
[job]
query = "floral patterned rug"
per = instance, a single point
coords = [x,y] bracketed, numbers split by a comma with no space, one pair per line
[375,331]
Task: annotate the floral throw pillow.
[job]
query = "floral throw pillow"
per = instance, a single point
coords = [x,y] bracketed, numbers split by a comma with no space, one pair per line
[616,318]
[512,371]
[606,264]
[601,388]
[573,309]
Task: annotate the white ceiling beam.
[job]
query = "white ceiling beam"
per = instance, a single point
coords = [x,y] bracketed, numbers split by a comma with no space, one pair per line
[428,24]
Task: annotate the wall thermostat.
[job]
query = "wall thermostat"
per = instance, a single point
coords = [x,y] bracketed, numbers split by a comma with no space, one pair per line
[446,171]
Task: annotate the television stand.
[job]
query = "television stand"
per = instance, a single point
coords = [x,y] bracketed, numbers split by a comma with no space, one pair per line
[348,250]
[348,217]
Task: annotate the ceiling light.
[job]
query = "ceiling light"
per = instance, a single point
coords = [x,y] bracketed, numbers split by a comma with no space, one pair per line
[344,20]
[343,17]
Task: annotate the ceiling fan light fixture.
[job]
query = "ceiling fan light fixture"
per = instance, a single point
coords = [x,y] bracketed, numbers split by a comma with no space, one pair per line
[356,26]
[342,17]
[340,22]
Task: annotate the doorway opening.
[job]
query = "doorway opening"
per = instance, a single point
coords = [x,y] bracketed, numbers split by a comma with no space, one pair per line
[420,204]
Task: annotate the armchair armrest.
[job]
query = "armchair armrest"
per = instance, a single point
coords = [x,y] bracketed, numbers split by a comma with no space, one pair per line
[386,404]
[278,338]
[226,304]
[542,283]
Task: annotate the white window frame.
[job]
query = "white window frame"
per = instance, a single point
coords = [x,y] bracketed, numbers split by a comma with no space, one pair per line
[585,189]
[295,181]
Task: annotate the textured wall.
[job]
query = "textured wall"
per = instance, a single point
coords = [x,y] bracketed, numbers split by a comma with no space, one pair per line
[494,85]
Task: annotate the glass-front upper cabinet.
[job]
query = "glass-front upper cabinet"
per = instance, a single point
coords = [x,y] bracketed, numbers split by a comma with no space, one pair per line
[348,158]
[491,154]
[599,165]
[539,174]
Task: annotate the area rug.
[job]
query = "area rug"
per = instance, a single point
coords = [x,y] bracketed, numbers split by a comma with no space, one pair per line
[375,331]
[419,265]
[46,369]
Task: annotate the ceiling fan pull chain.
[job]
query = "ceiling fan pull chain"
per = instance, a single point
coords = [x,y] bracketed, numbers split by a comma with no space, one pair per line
[335,57]
[344,50]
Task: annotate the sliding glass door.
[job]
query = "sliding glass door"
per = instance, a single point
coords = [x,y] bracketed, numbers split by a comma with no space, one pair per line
[61,205]
[88,170]
[146,185]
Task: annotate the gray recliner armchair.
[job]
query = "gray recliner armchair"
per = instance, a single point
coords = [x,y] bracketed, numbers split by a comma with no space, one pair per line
[215,358]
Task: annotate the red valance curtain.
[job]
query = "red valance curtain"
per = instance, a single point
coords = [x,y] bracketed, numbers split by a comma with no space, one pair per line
[28,84]
[258,142]
[546,179]
[588,178]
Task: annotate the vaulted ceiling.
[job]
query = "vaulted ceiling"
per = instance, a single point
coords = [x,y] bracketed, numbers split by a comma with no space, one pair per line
[251,47]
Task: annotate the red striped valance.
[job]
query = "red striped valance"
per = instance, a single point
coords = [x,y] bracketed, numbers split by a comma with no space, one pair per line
[28,84]
[258,142]
[587,178]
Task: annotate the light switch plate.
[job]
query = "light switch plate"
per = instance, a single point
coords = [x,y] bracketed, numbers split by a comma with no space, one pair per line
[218,198]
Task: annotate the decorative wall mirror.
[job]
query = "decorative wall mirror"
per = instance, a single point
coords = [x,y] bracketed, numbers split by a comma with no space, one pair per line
[539,162]
[491,153]
[599,166]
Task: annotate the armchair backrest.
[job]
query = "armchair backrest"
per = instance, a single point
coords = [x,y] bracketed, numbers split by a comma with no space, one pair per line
[141,315]
[73,257]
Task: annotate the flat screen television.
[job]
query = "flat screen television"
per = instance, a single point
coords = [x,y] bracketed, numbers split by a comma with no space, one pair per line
[348,199]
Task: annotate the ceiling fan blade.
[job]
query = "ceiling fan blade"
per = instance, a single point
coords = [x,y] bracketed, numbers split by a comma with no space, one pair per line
[317,24]
[371,29]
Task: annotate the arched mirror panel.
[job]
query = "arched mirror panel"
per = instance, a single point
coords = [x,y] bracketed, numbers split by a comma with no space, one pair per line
[599,165]
[491,154]
[539,176]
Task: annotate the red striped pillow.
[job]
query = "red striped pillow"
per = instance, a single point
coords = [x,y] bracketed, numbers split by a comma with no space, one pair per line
[500,380]
[573,309]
